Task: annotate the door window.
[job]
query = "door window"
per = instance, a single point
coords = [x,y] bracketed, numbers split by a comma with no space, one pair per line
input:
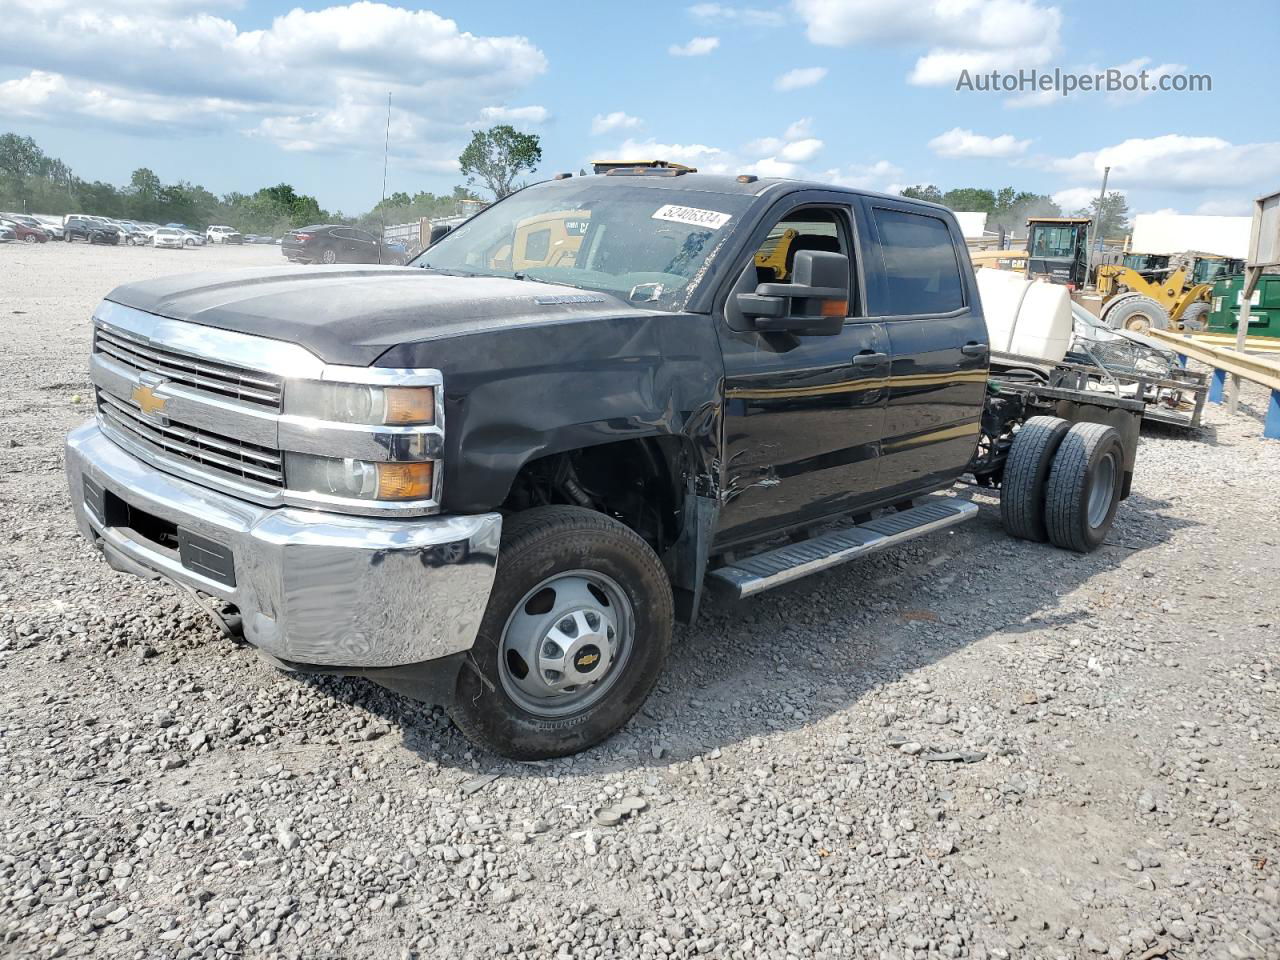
[809,228]
[922,274]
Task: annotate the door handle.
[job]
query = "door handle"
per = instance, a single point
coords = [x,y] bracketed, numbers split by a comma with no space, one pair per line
[974,349]
[868,358]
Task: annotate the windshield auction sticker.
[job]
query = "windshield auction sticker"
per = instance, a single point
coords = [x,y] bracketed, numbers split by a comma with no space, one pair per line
[694,216]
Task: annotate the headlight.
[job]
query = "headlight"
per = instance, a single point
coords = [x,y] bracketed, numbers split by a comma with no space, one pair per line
[360,403]
[358,479]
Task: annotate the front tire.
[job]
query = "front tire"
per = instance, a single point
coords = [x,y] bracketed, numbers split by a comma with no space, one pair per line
[588,602]
[1084,487]
[1137,315]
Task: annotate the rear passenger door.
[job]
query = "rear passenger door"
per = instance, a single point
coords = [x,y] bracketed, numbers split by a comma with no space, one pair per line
[920,287]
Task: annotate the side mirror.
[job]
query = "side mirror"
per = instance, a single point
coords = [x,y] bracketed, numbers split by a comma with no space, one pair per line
[815,302]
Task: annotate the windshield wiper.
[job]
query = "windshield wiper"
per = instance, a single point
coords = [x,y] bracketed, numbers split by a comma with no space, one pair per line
[555,283]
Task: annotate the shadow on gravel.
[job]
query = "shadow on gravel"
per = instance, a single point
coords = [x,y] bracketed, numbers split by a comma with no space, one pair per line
[786,660]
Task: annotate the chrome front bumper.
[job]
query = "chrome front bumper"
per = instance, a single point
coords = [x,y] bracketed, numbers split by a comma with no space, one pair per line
[311,587]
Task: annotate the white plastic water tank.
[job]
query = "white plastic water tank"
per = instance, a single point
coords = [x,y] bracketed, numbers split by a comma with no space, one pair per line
[1030,318]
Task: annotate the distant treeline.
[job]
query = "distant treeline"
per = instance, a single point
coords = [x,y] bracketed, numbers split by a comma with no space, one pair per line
[1010,208]
[33,182]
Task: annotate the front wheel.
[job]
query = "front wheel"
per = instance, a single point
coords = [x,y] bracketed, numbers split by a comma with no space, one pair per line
[574,637]
[29,238]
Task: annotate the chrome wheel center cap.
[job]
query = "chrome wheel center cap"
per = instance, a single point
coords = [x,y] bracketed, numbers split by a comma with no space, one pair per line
[576,650]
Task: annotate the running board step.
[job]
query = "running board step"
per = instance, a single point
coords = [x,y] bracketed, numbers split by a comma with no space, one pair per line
[761,572]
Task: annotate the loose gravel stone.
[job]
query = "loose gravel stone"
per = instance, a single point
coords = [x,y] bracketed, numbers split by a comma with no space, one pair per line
[1070,715]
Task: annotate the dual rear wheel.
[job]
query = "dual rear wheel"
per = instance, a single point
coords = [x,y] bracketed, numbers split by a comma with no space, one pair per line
[1063,483]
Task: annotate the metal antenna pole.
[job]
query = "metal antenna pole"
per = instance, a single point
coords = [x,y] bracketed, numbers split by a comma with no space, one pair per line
[382,209]
[1094,228]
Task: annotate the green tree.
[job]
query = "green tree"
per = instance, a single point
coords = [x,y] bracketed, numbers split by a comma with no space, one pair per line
[1110,215]
[144,194]
[1013,207]
[495,157]
[923,192]
[970,198]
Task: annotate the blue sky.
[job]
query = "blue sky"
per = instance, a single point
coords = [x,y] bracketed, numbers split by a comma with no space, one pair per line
[237,95]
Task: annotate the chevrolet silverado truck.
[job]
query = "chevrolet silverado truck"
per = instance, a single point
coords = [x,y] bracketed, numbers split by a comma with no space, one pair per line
[495,477]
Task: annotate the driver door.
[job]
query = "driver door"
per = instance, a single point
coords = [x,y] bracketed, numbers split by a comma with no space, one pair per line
[804,413]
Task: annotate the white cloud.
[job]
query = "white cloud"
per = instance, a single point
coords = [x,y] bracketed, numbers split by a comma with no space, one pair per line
[801,151]
[800,77]
[707,159]
[1176,162]
[959,142]
[617,120]
[309,80]
[1223,207]
[879,175]
[751,16]
[40,95]
[1077,198]
[766,157]
[532,114]
[800,129]
[697,47]
[772,167]
[975,35]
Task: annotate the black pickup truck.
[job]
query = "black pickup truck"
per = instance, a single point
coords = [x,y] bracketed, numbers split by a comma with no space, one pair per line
[495,477]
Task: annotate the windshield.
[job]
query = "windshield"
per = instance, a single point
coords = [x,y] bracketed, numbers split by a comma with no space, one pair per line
[1207,269]
[639,243]
[1056,241]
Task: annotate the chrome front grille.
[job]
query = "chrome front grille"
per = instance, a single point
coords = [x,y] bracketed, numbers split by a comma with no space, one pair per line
[207,405]
[224,379]
[211,451]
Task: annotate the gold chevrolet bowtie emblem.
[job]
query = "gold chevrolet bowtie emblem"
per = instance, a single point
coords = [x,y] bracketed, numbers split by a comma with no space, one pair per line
[587,659]
[145,397]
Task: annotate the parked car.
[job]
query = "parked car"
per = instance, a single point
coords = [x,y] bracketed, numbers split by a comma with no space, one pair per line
[135,235]
[24,232]
[52,224]
[221,234]
[169,237]
[90,231]
[26,220]
[7,235]
[656,385]
[337,243]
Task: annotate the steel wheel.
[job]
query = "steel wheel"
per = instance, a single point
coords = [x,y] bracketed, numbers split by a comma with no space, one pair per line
[1103,491]
[566,643]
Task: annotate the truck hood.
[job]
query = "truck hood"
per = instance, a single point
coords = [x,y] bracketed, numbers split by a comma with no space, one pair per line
[352,315]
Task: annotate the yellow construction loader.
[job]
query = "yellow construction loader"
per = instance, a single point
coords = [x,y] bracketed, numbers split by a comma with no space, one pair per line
[1126,298]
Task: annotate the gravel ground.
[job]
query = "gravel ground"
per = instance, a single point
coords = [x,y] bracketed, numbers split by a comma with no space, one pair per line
[965,747]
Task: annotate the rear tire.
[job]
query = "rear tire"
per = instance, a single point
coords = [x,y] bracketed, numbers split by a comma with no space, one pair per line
[1026,471]
[1137,315]
[1084,487]
[329,255]
[550,545]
